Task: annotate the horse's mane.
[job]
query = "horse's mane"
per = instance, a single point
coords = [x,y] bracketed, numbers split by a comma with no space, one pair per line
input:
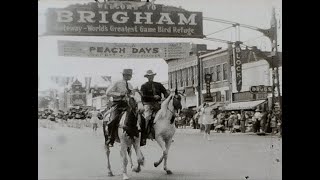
[164,107]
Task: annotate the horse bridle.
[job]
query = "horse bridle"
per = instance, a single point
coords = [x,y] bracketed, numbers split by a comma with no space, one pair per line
[134,113]
[168,102]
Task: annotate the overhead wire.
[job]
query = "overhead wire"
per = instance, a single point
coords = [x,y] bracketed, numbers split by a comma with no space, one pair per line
[219,31]
[231,22]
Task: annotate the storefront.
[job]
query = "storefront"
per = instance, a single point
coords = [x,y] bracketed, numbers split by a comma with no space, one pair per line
[248,105]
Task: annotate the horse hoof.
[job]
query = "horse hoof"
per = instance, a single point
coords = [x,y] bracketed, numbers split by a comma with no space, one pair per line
[141,162]
[169,172]
[136,169]
[156,164]
[125,177]
[110,174]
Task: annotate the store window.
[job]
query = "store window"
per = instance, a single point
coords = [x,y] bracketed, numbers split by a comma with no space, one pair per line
[218,96]
[227,95]
[181,78]
[218,73]
[195,71]
[192,75]
[212,73]
[225,72]
[187,76]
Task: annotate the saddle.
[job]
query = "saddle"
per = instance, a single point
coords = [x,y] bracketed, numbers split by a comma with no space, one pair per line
[146,132]
[130,127]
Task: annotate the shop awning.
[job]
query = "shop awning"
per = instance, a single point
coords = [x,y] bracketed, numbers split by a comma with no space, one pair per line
[244,105]
[214,105]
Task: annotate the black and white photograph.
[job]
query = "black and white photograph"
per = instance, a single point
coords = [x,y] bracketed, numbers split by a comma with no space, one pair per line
[160,89]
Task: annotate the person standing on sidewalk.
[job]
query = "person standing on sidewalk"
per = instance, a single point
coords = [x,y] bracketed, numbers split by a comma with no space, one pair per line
[268,128]
[263,121]
[243,121]
[278,116]
[94,120]
[256,121]
[231,120]
[273,123]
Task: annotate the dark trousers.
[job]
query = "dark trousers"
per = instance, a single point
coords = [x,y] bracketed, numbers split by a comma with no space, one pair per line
[149,131]
[120,106]
[243,127]
[256,126]
[104,125]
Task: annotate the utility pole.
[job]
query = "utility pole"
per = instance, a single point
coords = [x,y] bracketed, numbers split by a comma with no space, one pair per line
[199,78]
[271,33]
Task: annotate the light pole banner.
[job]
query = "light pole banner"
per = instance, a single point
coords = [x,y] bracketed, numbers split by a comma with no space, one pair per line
[123,50]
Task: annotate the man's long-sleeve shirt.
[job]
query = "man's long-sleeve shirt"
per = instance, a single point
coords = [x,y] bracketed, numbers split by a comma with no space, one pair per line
[150,89]
[117,89]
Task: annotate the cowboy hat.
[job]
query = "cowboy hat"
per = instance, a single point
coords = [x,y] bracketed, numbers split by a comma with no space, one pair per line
[258,110]
[127,71]
[232,112]
[150,73]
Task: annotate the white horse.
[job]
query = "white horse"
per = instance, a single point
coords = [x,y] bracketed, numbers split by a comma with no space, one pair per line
[164,126]
[129,135]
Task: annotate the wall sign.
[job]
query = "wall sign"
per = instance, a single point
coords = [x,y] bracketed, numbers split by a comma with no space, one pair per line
[261,89]
[243,96]
[238,66]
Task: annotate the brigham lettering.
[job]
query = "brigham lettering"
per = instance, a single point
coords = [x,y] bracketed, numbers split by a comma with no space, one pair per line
[120,17]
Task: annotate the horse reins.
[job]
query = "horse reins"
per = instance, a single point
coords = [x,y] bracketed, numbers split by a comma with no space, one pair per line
[169,109]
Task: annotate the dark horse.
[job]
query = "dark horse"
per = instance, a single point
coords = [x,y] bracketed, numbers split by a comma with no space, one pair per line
[128,135]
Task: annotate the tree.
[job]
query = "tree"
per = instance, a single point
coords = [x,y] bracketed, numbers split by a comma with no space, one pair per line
[43,102]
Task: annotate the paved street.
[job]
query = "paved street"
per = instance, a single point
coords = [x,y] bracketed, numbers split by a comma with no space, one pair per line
[68,153]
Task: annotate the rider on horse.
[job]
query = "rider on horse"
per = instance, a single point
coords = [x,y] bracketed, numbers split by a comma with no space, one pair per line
[117,91]
[151,98]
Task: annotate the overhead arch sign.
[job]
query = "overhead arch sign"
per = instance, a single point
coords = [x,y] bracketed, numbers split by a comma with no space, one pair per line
[124,18]
[123,50]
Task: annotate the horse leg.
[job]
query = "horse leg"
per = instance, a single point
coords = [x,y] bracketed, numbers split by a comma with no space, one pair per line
[107,148]
[161,143]
[123,153]
[129,155]
[139,154]
[167,144]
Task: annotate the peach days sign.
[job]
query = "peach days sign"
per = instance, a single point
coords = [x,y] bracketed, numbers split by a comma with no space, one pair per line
[123,50]
[124,18]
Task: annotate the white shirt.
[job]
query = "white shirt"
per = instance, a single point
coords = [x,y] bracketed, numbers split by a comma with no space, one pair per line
[257,116]
[118,88]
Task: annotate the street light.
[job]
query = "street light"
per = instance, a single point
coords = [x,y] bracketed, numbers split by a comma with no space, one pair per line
[208,78]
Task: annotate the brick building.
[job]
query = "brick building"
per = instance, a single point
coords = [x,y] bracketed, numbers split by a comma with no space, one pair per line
[217,64]
[183,75]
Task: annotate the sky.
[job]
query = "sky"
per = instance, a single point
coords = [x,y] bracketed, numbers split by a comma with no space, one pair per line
[250,12]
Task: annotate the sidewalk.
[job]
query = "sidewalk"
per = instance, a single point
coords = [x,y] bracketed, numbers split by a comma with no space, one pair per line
[189,130]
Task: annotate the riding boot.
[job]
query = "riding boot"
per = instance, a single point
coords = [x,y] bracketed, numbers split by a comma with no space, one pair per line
[143,140]
[110,135]
[151,132]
